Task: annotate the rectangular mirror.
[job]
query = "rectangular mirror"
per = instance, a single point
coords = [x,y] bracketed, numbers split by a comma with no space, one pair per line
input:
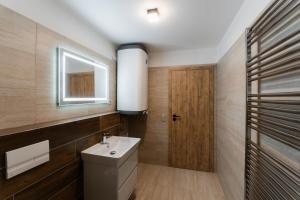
[81,80]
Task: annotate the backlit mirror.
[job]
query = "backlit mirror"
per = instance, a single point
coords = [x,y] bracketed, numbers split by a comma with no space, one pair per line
[81,80]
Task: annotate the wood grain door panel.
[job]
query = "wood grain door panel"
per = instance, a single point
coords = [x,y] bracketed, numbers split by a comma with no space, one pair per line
[191,136]
[179,107]
[81,85]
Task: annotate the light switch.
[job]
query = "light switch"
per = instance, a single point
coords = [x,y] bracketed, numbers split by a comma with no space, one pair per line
[25,158]
[163,118]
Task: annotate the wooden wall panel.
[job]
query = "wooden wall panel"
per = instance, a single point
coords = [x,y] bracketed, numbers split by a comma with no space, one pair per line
[154,146]
[57,135]
[108,120]
[58,159]
[28,111]
[48,187]
[86,142]
[17,32]
[17,69]
[230,120]
[46,109]
[70,192]
[124,125]
[28,73]
[62,176]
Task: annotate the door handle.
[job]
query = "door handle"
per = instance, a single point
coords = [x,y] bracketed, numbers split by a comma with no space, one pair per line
[175,117]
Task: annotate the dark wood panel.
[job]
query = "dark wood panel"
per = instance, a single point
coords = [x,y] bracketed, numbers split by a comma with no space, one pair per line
[108,121]
[115,130]
[72,191]
[72,131]
[123,125]
[66,142]
[27,128]
[87,142]
[52,184]
[132,196]
[57,135]
[90,140]
[58,159]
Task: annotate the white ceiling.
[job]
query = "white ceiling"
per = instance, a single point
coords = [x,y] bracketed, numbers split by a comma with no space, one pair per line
[183,24]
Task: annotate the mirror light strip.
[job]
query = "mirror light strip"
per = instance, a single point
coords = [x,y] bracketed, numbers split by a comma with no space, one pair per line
[64,56]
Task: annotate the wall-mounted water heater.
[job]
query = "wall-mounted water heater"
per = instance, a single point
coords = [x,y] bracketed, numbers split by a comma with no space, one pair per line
[132,79]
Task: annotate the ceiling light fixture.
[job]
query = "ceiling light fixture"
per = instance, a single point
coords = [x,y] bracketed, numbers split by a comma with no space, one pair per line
[153,15]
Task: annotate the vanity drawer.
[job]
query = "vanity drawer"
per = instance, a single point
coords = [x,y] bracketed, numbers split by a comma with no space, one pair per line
[126,169]
[128,187]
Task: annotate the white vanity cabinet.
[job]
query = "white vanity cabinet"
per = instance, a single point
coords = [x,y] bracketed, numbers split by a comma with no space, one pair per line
[110,170]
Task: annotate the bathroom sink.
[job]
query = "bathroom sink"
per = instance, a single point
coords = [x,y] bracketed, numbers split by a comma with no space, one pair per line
[114,152]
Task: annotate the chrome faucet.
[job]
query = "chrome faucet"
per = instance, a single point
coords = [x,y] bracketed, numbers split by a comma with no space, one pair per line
[104,138]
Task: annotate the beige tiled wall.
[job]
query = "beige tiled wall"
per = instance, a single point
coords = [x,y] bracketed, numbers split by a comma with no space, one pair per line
[230,120]
[28,73]
[154,148]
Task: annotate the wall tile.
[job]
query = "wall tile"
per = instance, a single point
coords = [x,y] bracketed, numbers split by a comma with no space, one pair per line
[72,191]
[28,98]
[154,146]
[230,120]
[28,64]
[49,186]
[58,159]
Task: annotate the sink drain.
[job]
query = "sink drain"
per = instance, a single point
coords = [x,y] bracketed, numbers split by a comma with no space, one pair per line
[113,152]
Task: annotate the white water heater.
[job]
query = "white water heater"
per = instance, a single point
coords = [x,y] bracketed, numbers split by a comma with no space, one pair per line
[132,79]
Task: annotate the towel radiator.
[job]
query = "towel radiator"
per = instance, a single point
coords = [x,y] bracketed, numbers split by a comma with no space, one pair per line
[272,154]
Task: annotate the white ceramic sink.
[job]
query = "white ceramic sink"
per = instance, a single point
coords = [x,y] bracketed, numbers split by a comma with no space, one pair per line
[114,152]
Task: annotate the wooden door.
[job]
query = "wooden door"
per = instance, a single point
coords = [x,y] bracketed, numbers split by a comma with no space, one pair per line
[191,118]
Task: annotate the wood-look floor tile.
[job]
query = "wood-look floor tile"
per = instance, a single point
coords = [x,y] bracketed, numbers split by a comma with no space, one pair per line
[166,183]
